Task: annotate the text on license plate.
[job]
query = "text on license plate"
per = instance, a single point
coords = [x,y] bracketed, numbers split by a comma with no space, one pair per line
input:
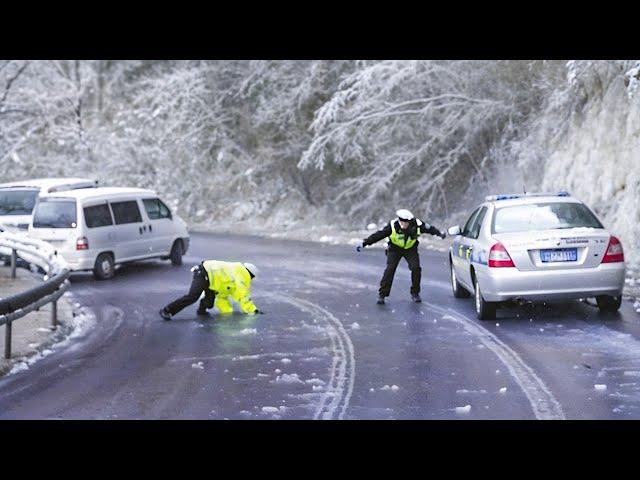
[559,255]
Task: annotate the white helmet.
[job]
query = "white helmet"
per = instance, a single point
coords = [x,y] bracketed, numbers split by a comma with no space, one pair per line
[404,215]
[253,270]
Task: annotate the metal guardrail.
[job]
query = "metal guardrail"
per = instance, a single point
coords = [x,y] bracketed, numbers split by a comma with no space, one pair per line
[54,286]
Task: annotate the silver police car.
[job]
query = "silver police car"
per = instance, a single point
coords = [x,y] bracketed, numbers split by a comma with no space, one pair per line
[535,247]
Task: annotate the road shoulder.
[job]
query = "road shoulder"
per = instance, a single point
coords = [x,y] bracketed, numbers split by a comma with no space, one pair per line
[32,334]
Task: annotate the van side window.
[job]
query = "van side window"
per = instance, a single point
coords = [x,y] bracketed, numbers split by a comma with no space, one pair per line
[97,216]
[156,209]
[126,212]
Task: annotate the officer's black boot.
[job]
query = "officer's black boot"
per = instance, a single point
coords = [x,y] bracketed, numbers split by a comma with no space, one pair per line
[416,297]
[380,300]
[165,314]
[202,311]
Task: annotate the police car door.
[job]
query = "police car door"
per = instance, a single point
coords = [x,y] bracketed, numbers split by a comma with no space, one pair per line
[461,252]
[473,251]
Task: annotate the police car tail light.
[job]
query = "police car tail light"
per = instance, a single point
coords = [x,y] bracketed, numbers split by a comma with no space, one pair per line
[82,243]
[499,257]
[614,251]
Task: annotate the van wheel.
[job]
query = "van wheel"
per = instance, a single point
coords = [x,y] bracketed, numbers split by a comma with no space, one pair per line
[484,310]
[607,303]
[176,253]
[104,267]
[458,290]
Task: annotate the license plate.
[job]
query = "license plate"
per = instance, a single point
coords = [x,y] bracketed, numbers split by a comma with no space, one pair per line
[559,255]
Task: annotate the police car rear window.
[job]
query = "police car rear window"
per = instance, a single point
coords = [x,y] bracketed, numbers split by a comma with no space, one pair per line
[543,216]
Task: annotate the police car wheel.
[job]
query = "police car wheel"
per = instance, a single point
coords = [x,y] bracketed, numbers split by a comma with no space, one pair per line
[484,310]
[608,303]
[104,268]
[176,253]
[458,290]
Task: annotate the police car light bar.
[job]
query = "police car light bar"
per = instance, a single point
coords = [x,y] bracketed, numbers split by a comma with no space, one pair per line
[510,196]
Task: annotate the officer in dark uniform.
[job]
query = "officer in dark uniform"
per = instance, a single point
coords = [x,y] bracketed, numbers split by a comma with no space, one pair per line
[403,233]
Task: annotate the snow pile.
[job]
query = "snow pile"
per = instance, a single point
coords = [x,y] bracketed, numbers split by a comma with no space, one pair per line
[247,331]
[463,410]
[75,328]
[288,379]
[393,388]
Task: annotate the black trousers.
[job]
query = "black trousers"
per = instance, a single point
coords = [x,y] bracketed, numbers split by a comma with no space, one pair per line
[393,258]
[199,283]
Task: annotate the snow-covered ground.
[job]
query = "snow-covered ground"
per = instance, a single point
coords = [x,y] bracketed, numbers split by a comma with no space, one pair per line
[70,326]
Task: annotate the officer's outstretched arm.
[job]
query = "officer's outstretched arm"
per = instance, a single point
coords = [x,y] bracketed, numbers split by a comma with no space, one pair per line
[243,297]
[377,236]
[430,229]
[247,305]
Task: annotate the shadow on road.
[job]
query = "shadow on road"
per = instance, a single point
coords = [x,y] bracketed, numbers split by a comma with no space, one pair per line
[557,311]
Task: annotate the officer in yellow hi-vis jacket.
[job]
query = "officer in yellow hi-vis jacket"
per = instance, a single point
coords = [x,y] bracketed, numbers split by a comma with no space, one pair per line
[403,233]
[219,281]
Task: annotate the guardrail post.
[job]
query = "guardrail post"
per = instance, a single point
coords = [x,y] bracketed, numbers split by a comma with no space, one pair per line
[54,315]
[14,261]
[7,340]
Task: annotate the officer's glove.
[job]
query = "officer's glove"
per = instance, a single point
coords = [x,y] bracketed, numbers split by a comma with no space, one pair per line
[258,312]
[442,235]
[360,246]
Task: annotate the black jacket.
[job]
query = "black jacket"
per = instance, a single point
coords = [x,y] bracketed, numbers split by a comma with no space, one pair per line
[411,231]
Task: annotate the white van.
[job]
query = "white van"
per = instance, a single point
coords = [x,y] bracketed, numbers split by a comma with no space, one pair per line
[96,229]
[18,199]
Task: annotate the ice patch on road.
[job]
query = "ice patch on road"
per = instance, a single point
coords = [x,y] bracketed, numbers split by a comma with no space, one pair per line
[198,365]
[355,325]
[393,388]
[463,410]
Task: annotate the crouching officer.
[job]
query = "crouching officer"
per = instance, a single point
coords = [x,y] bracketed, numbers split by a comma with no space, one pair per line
[403,233]
[219,281]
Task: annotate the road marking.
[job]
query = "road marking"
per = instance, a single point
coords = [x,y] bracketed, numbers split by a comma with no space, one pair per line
[544,404]
[336,397]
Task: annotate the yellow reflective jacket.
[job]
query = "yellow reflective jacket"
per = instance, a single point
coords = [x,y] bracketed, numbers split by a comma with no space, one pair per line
[230,279]
[400,239]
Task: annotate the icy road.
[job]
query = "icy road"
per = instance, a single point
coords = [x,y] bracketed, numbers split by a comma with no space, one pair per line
[325,350]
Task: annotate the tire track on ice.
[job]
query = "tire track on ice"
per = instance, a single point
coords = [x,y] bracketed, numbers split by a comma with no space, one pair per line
[336,397]
[544,404]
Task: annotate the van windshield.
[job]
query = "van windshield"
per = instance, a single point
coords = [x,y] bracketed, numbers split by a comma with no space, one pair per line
[55,213]
[17,202]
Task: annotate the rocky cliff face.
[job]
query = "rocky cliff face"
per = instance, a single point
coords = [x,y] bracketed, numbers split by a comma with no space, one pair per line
[593,141]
